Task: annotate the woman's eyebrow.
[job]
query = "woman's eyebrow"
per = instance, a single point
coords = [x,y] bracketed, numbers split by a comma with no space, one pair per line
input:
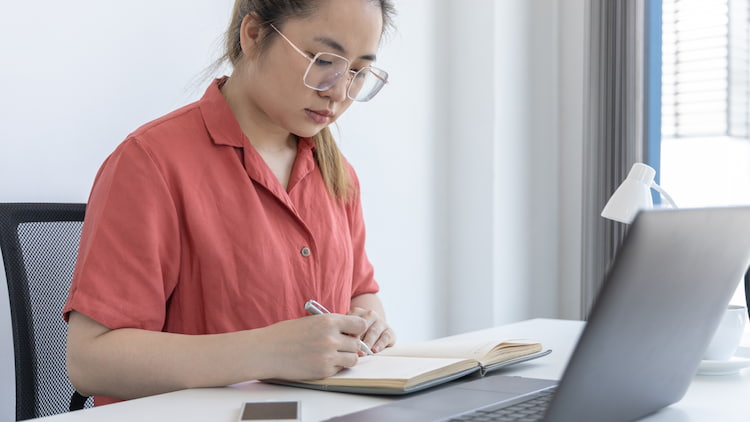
[340,49]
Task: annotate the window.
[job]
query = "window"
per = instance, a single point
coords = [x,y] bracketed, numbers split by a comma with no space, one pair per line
[705,129]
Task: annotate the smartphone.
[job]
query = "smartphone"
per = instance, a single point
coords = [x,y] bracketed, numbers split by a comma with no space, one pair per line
[269,411]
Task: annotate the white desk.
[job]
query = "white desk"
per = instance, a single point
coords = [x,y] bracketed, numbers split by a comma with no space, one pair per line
[710,398]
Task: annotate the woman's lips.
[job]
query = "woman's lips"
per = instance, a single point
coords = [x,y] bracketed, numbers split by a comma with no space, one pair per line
[319,116]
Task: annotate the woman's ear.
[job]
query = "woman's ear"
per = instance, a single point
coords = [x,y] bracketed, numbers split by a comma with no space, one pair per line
[250,31]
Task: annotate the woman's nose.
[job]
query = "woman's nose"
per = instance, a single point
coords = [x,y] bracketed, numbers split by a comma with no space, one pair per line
[338,92]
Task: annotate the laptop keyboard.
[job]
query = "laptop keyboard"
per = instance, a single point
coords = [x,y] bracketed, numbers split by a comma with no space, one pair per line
[527,409]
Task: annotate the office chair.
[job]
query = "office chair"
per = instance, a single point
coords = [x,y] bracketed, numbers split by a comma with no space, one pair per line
[39,245]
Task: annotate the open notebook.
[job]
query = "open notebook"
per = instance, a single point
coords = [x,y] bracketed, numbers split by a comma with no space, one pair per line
[410,367]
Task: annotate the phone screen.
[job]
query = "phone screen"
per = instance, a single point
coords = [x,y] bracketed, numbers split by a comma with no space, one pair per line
[270,411]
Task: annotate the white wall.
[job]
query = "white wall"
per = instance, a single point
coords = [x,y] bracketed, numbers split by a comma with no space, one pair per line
[460,163]
[470,164]
[393,143]
[79,75]
[467,159]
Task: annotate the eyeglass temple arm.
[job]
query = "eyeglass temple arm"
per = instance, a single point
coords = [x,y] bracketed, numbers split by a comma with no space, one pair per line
[302,53]
[385,81]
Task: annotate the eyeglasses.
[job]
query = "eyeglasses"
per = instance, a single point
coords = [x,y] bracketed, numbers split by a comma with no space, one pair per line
[326,69]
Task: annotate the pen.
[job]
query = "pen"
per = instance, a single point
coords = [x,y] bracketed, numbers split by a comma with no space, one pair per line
[316,308]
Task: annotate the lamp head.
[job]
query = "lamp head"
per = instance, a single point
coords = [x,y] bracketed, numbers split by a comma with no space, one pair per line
[633,195]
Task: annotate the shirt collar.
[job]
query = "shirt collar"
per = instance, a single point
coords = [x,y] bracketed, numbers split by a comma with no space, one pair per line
[221,123]
[218,117]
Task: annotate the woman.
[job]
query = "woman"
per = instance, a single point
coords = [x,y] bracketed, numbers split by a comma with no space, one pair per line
[208,229]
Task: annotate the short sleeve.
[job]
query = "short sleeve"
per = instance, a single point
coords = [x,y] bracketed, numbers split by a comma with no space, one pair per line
[128,259]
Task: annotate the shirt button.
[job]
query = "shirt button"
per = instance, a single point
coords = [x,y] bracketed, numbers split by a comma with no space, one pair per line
[305,252]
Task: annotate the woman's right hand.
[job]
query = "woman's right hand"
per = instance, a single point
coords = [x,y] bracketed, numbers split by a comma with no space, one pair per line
[312,347]
[129,363]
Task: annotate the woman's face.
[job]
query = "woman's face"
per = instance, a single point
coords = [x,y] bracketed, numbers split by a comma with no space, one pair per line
[274,80]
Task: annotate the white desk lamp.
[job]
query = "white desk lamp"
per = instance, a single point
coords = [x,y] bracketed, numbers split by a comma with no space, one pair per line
[634,194]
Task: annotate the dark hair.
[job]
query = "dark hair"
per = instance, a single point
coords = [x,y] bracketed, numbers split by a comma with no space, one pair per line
[277,12]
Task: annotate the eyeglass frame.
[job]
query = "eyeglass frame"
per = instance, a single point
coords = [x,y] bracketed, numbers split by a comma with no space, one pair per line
[351,73]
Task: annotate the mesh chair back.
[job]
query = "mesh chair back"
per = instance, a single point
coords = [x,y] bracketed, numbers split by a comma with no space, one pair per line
[39,244]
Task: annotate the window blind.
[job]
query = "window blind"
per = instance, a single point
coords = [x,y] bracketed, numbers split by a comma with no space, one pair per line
[705,88]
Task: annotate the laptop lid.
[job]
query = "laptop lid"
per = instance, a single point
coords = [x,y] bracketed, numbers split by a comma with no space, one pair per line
[656,312]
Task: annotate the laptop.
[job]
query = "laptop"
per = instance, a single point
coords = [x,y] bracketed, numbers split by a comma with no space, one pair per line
[656,312]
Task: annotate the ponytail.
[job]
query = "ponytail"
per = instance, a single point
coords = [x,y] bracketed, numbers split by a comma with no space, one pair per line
[332,166]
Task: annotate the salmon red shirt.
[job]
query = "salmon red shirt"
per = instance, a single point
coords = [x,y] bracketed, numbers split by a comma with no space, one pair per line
[188,231]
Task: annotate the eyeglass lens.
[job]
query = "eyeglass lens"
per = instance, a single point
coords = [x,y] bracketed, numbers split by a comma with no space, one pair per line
[327,69]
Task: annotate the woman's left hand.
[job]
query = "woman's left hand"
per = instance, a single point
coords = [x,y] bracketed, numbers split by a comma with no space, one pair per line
[379,334]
